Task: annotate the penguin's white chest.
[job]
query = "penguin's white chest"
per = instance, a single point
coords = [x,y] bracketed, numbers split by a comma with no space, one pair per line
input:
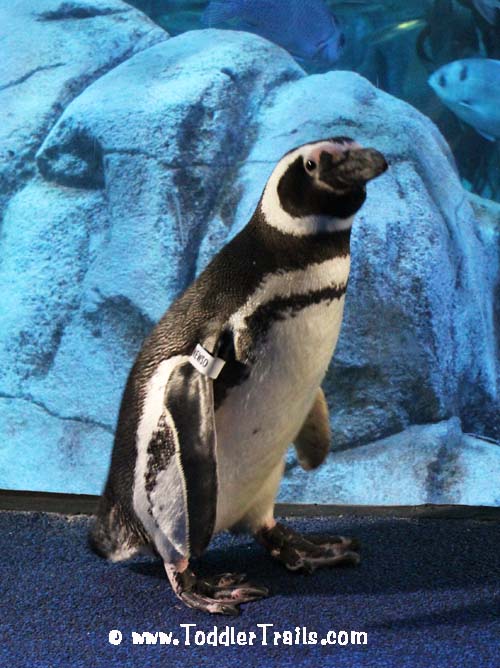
[260,418]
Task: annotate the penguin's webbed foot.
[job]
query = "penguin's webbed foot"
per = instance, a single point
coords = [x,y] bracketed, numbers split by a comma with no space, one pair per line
[306,553]
[219,594]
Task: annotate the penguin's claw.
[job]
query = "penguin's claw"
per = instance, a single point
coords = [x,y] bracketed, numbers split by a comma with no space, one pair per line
[333,541]
[308,564]
[241,594]
[231,588]
[306,554]
[226,579]
[206,604]
[219,594]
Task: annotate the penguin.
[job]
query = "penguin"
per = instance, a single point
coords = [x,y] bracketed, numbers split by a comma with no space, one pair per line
[231,376]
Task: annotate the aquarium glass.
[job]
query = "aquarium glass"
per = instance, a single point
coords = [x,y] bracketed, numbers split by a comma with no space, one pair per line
[135,142]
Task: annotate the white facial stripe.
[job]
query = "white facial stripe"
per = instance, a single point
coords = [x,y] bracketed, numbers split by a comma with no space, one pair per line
[315,224]
[283,221]
[339,224]
[312,278]
[172,478]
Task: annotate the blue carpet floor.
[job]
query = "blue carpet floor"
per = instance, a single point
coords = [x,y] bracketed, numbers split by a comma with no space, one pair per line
[427,594]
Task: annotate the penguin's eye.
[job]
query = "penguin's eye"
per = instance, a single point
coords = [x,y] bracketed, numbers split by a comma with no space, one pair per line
[310,165]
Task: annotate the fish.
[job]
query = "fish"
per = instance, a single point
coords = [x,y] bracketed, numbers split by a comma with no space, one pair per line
[488,9]
[307,30]
[395,31]
[471,89]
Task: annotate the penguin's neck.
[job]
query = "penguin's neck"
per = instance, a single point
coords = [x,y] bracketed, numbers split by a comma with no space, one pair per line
[310,248]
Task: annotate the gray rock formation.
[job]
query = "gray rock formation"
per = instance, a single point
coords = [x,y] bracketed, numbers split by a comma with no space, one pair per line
[51,51]
[151,168]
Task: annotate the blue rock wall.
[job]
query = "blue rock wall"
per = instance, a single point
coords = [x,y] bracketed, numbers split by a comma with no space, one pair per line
[136,156]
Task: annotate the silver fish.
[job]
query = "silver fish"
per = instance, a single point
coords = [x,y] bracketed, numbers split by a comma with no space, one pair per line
[488,9]
[308,30]
[471,89]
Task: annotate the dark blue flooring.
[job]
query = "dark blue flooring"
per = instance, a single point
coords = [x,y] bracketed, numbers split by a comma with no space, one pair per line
[427,594]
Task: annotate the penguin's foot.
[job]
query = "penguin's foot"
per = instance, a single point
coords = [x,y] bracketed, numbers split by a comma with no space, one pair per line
[219,594]
[300,553]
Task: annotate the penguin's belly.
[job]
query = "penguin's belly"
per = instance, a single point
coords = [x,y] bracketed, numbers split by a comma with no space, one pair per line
[259,419]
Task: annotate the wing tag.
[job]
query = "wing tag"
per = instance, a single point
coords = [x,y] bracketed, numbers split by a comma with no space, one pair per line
[205,363]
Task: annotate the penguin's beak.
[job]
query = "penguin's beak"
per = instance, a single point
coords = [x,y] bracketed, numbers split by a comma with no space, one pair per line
[352,168]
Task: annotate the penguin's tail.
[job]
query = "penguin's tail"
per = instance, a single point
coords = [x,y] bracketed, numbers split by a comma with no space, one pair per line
[111,536]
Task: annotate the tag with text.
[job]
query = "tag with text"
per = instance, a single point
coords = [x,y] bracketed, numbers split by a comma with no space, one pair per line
[206,363]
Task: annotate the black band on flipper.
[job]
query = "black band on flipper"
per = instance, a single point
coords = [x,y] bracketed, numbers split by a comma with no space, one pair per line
[189,400]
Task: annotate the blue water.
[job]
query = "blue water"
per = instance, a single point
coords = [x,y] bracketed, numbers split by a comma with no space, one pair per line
[397,45]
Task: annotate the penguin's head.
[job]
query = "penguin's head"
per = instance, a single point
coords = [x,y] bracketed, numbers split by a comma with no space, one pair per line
[318,187]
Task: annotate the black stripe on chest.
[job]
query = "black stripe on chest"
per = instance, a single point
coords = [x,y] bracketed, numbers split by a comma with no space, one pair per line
[259,323]
[258,251]
[233,275]
[257,327]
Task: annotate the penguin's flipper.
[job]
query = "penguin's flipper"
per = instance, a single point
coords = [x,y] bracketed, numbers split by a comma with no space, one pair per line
[313,440]
[176,473]
[189,401]
[179,478]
